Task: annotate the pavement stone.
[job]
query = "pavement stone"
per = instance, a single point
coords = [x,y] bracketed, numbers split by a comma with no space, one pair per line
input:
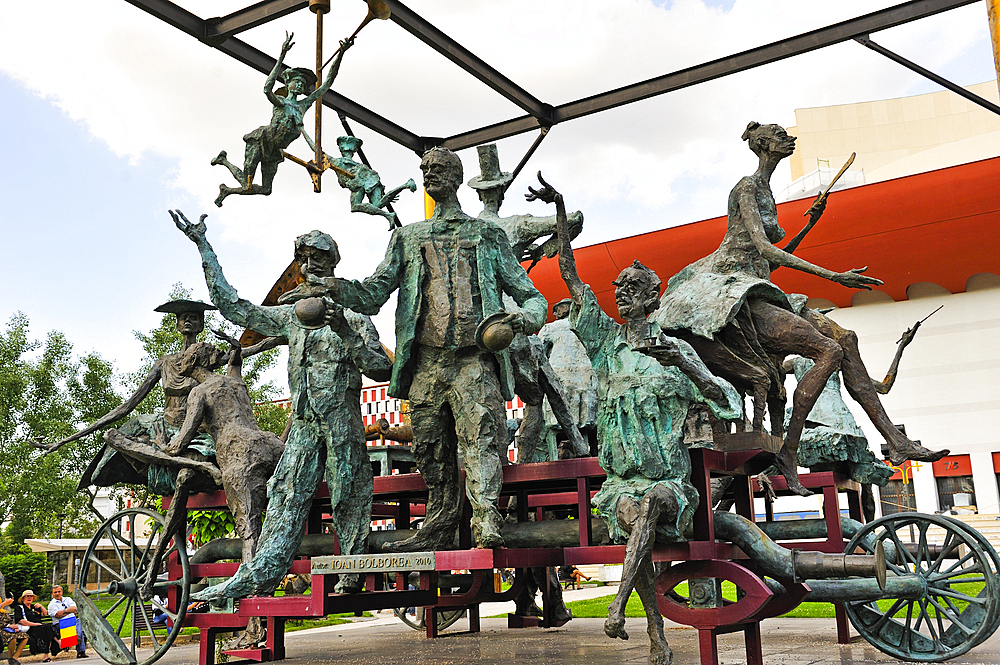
[387,641]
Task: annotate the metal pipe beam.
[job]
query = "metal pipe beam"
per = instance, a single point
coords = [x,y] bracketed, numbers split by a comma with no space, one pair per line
[235,48]
[957,89]
[762,55]
[423,30]
[250,17]
[539,114]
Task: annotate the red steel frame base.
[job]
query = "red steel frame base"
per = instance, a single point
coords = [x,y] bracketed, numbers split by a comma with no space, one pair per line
[567,484]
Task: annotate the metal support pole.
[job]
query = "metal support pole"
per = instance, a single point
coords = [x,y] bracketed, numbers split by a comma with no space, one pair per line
[319,7]
[534,146]
[993,10]
[957,89]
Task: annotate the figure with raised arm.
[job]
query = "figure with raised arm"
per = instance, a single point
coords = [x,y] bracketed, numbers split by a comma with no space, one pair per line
[327,434]
[643,402]
[245,455]
[265,145]
[535,382]
[743,326]
[451,272]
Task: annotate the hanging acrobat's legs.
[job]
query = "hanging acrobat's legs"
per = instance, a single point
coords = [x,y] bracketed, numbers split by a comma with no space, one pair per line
[358,204]
[245,176]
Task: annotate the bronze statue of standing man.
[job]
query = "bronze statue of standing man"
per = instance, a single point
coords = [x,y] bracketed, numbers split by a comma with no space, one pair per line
[451,272]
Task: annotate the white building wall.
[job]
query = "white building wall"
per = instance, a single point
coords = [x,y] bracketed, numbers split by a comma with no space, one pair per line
[947,393]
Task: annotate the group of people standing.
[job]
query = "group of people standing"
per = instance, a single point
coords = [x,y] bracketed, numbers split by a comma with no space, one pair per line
[30,624]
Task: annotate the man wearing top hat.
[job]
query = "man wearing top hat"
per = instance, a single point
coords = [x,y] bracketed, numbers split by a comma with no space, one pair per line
[265,145]
[451,271]
[521,230]
[534,378]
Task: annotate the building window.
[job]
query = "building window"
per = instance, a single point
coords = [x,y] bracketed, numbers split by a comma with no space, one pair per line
[954,482]
[897,497]
[951,486]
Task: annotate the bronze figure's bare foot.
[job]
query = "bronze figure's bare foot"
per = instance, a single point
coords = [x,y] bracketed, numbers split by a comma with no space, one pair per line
[660,654]
[223,193]
[911,451]
[220,159]
[615,628]
[786,463]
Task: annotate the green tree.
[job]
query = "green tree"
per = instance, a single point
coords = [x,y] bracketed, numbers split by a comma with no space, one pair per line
[44,393]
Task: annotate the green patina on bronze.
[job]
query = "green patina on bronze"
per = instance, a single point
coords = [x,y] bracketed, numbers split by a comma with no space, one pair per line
[265,145]
[324,378]
[451,272]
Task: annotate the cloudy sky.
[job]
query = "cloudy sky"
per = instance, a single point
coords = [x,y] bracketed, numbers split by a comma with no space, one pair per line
[110,117]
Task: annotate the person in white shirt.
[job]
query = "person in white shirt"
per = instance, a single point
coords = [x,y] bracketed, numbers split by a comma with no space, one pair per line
[61,606]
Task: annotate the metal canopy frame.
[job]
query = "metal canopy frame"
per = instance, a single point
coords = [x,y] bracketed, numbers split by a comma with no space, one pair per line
[220,32]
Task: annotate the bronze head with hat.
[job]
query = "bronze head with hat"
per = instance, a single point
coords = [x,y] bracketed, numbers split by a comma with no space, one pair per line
[348,144]
[490,177]
[306,76]
[190,315]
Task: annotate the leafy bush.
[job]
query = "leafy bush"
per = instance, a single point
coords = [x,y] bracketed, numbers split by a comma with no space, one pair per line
[210,524]
[24,571]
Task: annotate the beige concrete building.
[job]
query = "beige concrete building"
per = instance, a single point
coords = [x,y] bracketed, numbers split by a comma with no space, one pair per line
[892,138]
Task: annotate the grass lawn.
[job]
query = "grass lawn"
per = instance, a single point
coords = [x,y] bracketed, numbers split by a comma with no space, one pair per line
[597,608]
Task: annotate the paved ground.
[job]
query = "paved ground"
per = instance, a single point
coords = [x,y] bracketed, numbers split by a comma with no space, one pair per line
[787,642]
[386,641]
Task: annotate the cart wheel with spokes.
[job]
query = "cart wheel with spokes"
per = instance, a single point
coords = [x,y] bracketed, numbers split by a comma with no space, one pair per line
[961,605]
[113,615]
[445,618]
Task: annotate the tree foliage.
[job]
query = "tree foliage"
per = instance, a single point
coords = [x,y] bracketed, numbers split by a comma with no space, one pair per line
[27,570]
[44,393]
[48,394]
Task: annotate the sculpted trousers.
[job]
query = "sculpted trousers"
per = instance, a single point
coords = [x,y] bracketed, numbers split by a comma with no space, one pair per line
[338,439]
[456,406]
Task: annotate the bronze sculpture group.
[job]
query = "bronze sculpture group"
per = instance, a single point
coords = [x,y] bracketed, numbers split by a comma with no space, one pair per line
[719,332]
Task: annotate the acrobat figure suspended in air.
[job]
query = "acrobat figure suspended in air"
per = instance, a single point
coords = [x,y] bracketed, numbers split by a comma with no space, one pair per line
[362,180]
[265,145]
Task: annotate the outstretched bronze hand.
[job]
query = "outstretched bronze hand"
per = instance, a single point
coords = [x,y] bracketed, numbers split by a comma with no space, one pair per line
[287,46]
[221,334]
[196,232]
[547,193]
[854,279]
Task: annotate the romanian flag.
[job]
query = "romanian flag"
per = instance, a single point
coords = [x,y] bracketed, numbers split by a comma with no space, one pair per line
[67,632]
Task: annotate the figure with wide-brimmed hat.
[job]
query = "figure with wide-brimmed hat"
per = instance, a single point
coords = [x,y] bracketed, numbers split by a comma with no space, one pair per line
[265,145]
[363,181]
